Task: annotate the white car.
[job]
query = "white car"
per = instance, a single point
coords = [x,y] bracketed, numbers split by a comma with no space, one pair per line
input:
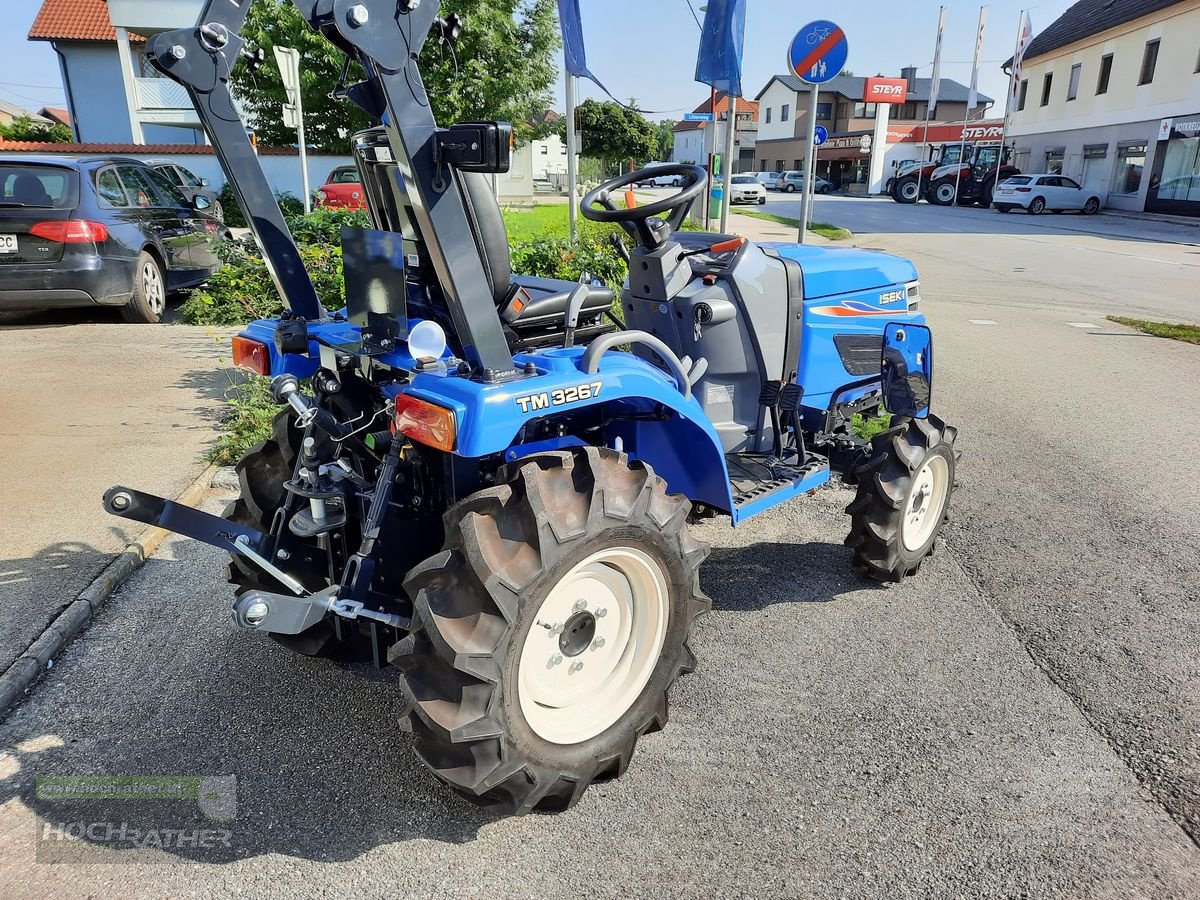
[1037,193]
[746,189]
[769,180]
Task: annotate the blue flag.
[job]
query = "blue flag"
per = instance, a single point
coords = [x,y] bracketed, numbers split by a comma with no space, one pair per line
[720,60]
[574,54]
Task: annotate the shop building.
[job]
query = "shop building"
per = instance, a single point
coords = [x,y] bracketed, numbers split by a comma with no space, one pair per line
[1109,94]
[846,112]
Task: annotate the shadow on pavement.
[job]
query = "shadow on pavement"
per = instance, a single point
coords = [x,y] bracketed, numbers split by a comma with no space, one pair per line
[813,572]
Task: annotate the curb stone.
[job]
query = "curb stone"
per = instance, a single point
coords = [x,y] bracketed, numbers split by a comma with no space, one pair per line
[39,656]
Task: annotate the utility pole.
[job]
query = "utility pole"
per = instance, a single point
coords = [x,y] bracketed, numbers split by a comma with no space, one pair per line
[293,110]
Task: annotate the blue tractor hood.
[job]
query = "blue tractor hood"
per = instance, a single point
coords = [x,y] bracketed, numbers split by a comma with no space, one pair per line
[845,270]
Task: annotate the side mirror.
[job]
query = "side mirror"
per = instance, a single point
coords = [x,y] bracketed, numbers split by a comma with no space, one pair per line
[200,203]
[906,369]
[203,182]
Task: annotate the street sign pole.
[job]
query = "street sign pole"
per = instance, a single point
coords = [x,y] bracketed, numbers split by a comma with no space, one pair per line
[727,163]
[810,157]
[817,54]
[289,68]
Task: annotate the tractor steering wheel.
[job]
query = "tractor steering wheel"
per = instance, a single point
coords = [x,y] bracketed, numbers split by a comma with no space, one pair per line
[640,221]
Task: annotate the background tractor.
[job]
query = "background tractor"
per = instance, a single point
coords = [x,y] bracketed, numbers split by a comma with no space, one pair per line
[962,173]
[486,479]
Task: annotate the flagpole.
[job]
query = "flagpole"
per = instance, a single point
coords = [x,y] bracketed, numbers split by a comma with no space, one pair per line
[727,162]
[934,82]
[572,161]
[972,97]
[1012,87]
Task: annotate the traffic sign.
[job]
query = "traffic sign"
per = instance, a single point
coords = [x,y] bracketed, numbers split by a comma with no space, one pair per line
[820,135]
[698,117]
[818,52]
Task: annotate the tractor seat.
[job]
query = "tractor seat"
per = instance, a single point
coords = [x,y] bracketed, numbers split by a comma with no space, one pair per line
[532,309]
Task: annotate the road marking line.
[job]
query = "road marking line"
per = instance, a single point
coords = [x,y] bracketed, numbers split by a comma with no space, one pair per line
[1082,325]
[983,321]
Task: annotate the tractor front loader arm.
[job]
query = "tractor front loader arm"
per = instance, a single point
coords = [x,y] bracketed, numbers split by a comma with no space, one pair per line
[202,59]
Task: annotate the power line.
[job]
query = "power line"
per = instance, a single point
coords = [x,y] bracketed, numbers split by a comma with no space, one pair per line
[693,12]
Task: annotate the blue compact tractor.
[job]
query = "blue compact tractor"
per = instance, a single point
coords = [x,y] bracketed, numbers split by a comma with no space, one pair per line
[486,479]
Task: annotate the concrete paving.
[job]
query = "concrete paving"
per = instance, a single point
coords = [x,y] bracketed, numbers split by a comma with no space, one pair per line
[1021,720]
[88,403]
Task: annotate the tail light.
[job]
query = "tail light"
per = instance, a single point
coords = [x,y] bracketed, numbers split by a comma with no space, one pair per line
[251,355]
[1024,190]
[71,231]
[425,422]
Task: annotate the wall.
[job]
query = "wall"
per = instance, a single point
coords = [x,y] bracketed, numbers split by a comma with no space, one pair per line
[689,147]
[773,98]
[97,92]
[1174,91]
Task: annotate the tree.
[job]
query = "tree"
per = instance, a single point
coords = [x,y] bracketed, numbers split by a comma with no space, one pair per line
[614,133]
[664,134]
[502,69]
[23,128]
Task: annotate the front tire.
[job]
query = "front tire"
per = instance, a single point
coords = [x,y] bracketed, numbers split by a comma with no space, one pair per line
[1036,207]
[789,189]
[149,301]
[942,193]
[549,628]
[1092,206]
[903,496]
[762,200]
[906,191]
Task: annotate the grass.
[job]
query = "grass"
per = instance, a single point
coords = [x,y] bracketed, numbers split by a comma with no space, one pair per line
[1179,332]
[833,232]
[549,220]
[866,427]
[247,422]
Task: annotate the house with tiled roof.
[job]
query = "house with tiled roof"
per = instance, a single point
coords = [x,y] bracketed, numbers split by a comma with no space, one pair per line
[695,140]
[113,95]
[1108,95]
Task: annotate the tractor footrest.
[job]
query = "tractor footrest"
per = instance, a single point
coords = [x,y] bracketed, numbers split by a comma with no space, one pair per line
[303,525]
[753,477]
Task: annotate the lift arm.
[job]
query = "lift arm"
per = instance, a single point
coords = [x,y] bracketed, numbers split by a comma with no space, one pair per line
[202,59]
[386,37]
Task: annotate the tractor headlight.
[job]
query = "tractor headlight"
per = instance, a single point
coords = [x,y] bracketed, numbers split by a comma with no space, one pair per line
[913,289]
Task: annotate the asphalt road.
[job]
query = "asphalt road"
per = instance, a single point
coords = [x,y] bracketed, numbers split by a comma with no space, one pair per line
[89,402]
[1021,720]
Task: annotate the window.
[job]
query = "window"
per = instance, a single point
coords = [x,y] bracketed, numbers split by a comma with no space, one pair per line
[824,110]
[784,112]
[1073,86]
[1054,160]
[762,164]
[141,192]
[545,149]
[1131,160]
[768,115]
[44,187]
[779,165]
[1049,181]
[796,164]
[1149,61]
[1105,72]
[171,195]
[1047,83]
[1024,93]
[1069,183]
[864,110]
[108,187]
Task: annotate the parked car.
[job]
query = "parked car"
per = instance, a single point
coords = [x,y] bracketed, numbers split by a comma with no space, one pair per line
[790,182]
[1038,193]
[100,231]
[661,180]
[342,190]
[190,184]
[769,180]
[746,189]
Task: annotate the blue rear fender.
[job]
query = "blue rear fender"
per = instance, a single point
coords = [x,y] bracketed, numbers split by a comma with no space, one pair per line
[682,446]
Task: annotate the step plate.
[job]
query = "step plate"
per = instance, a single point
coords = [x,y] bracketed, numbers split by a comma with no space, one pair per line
[757,485]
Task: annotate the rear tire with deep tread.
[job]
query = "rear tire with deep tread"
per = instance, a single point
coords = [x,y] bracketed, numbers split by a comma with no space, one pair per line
[476,604]
[886,484]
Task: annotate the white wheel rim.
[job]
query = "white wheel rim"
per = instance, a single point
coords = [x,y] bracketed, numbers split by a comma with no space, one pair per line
[569,697]
[946,193]
[926,502]
[152,287]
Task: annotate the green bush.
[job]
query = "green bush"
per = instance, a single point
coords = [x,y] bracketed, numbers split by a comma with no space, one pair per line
[324,226]
[243,291]
[247,421]
[232,209]
[559,258]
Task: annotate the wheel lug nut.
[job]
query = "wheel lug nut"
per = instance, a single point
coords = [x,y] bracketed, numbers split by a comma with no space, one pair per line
[554,661]
[580,605]
[601,613]
[575,667]
[597,643]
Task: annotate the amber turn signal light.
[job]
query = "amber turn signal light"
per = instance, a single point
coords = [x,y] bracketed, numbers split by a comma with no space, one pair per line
[251,355]
[425,422]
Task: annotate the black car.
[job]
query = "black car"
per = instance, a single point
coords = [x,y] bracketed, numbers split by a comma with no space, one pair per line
[189,184]
[106,231]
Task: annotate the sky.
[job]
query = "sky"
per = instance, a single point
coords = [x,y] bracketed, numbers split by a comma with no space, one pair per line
[646,49]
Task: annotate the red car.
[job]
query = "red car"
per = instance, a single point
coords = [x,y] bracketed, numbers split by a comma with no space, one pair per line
[342,190]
